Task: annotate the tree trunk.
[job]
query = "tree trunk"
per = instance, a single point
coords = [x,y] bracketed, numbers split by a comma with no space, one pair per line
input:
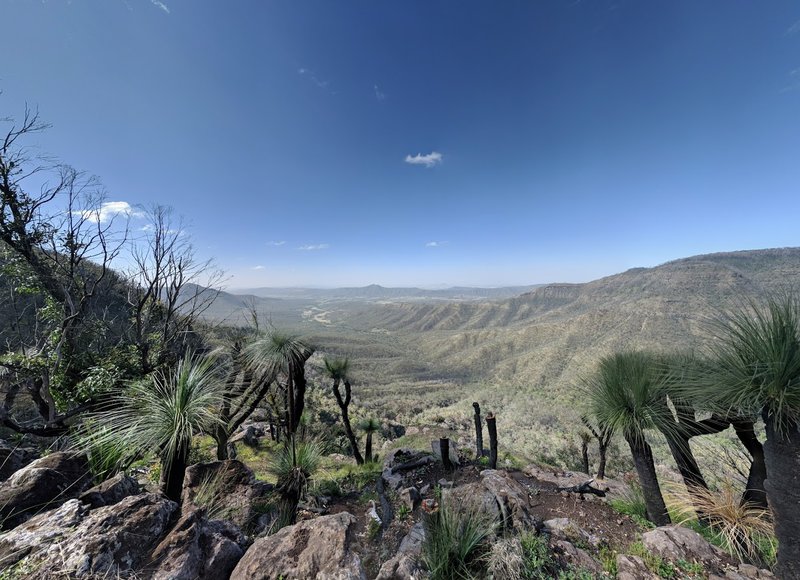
[491,426]
[174,472]
[601,468]
[444,450]
[585,456]
[782,455]
[685,460]
[755,493]
[645,468]
[478,432]
[221,437]
[368,448]
[348,429]
[299,385]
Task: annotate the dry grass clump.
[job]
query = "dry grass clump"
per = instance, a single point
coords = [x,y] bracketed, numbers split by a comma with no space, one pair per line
[506,559]
[744,530]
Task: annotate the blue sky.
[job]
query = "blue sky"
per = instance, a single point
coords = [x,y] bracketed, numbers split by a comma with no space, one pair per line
[332,143]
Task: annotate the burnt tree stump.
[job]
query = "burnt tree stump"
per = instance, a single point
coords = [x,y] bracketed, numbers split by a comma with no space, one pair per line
[491,426]
[478,431]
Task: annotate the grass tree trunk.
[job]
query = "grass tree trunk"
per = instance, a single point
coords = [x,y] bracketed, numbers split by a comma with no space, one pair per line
[645,468]
[585,456]
[685,460]
[344,403]
[173,473]
[755,493]
[782,455]
[601,467]
[368,447]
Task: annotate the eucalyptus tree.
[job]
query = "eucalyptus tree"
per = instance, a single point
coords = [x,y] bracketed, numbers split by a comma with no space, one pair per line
[162,414]
[337,370]
[626,395]
[755,371]
[284,356]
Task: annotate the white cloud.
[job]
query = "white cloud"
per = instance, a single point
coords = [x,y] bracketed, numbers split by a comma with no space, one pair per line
[309,74]
[276,243]
[379,94]
[429,160]
[109,210]
[435,244]
[257,267]
[794,28]
[313,247]
[160,5]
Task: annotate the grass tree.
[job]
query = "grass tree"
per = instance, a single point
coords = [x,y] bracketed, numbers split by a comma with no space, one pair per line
[162,414]
[337,371]
[626,396]
[293,466]
[755,371]
[369,426]
[278,354]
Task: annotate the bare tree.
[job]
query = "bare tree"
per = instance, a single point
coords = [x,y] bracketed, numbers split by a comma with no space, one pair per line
[170,287]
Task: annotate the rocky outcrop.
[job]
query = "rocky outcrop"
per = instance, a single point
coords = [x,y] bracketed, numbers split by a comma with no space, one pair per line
[111,491]
[497,493]
[566,529]
[633,568]
[78,542]
[405,565]
[227,489]
[14,458]
[675,543]
[199,549]
[318,548]
[43,484]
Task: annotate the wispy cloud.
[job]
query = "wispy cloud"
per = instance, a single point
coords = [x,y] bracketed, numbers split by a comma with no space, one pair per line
[314,247]
[794,81]
[109,210]
[379,94]
[429,160]
[276,243]
[794,28]
[309,74]
[160,5]
[436,244]
[257,267]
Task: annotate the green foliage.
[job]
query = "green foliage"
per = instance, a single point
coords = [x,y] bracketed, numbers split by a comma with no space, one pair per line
[403,512]
[755,364]
[538,561]
[631,503]
[369,425]
[455,545]
[161,414]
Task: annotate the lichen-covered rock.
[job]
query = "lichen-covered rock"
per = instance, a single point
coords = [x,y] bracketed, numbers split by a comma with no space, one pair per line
[404,565]
[578,558]
[76,542]
[497,493]
[229,487]
[410,497]
[199,549]
[111,491]
[633,568]
[566,529]
[43,484]
[12,459]
[675,543]
[318,548]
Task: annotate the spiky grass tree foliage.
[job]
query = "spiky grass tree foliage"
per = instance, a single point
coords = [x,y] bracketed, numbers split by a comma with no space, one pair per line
[626,394]
[162,414]
[369,426]
[456,542]
[755,371]
[282,354]
[293,466]
[337,370]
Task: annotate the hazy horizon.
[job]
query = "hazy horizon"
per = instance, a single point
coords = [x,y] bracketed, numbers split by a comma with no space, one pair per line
[449,142]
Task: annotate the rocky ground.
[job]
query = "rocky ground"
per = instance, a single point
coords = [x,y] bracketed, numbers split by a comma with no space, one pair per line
[57,525]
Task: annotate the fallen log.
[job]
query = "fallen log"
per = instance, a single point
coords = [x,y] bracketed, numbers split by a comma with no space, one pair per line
[584,488]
